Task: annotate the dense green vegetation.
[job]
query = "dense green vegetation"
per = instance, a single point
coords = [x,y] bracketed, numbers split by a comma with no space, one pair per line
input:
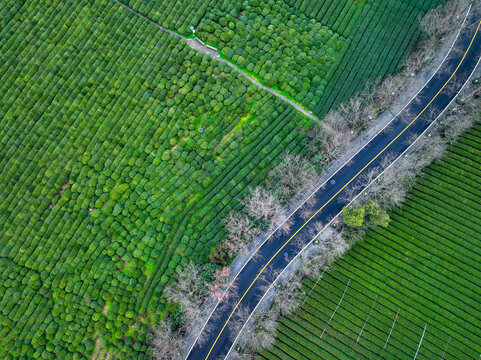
[380,32]
[121,150]
[422,272]
[317,52]
[294,54]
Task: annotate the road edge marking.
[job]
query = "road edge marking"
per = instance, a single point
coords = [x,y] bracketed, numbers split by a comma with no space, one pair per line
[360,193]
[340,190]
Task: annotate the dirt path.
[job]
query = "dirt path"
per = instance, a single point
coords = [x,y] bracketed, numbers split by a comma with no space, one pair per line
[212,52]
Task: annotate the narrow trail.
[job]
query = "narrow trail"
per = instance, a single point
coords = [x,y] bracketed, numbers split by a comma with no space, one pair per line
[197,45]
[413,121]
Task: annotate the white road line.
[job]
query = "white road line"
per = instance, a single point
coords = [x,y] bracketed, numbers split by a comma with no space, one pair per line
[380,174]
[320,186]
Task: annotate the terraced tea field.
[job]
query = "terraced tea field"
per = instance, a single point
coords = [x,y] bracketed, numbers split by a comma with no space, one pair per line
[318,53]
[380,33]
[410,290]
[113,173]
[122,149]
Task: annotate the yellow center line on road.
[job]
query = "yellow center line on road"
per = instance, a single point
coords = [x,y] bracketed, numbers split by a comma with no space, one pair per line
[337,193]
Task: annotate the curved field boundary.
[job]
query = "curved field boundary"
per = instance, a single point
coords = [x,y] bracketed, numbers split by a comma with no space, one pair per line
[214,54]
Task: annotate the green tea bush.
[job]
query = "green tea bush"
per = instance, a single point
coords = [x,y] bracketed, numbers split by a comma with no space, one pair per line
[108,188]
[318,53]
[418,273]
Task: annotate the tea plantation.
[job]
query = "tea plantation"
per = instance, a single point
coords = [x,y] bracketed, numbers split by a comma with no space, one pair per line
[414,284]
[316,52]
[121,149]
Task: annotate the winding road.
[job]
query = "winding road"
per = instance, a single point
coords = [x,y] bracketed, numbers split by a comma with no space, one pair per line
[279,249]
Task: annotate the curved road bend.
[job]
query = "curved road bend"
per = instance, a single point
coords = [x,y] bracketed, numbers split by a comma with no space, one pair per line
[405,128]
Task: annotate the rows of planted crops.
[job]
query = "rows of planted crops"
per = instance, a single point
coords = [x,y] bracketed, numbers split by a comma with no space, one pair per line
[121,149]
[383,34]
[414,284]
[317,52]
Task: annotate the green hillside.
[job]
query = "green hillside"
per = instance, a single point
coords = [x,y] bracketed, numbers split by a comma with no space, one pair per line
[121,149]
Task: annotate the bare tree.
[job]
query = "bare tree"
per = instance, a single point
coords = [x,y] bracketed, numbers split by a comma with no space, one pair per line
[186,292]
[336,120]
[311,201]
[352,111]
[435,24]
[410,139]
[439,21]
[317,138]
[414,63]
[430,114]
[391,188]
[299,241]
[202,327]
[456,127]
[239,355]
[264,334]
[334,141]
[241,232]
[262,203]
[386,92]
[286,225]
[331,138]
[315,261]
[292,175]
[287,299]
[258,332]
[411,111]
[460,118]
[265,284]
[240,226]
[220,289]
[240,318]
[270,276]
[470,97]
[337,246]
[350,192]
[308,208]
[166,344]
[366,177]
[232,246]
[387,159]
[315,229]
[306,211]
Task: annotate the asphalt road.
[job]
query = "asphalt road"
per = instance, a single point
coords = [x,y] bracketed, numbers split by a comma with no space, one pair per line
[276,253]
